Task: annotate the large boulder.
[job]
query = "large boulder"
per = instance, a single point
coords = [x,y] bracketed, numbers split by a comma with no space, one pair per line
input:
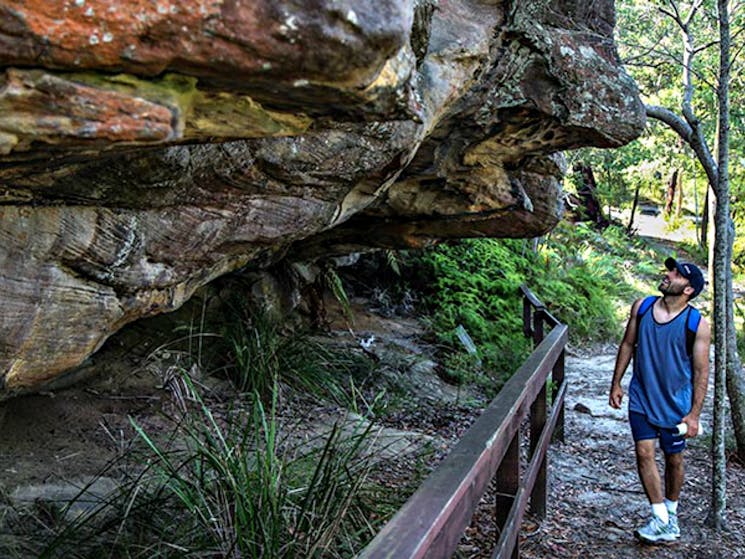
[147,148]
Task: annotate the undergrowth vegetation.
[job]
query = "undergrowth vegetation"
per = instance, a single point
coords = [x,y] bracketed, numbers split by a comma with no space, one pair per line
[254,353]
[585,278]
[227,473]
[246,493]
[226,482]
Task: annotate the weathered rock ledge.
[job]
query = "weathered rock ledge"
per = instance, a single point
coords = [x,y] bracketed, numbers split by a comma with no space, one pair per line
[147,148]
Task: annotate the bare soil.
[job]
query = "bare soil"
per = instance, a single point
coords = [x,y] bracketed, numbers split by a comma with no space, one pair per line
[74,432]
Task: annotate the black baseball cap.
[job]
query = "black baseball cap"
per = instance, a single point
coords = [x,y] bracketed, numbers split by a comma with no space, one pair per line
[689,271]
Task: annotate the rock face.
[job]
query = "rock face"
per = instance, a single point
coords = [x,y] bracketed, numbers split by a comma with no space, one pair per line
[148,147]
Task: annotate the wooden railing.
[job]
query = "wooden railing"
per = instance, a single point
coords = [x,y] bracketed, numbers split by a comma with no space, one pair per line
[430,524]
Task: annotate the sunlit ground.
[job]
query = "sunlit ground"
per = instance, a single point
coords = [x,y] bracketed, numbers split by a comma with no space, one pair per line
[673,231]
[681,230]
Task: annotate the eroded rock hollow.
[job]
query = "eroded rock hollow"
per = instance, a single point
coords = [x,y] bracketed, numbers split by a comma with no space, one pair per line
[150,146]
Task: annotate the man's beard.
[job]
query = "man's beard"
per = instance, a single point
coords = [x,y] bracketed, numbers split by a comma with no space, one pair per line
[671,289]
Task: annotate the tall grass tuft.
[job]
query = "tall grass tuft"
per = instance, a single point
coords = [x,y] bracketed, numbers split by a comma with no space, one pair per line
[246,496]
[256,354]
[222,484]
[254,351]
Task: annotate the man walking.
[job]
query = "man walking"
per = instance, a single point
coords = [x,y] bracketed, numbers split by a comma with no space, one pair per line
[669,342]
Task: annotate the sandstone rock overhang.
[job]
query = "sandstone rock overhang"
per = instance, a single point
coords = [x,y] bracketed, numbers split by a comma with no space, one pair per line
[150,146]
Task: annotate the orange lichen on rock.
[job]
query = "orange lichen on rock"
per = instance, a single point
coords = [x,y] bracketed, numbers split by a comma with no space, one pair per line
[38,106]
[106,33]
[228,39]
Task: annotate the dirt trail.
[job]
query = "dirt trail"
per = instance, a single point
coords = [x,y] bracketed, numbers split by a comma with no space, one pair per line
[595,498]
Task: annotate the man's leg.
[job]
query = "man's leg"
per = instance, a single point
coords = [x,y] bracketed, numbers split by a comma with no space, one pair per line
[658,529]
[648,473]
[645,443]
[674,473]
[673,446]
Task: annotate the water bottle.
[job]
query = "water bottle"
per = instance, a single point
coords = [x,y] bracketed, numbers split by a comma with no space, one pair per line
[683,428]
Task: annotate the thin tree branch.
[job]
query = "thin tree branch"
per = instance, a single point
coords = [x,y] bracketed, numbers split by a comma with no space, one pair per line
[672,58]
[646,50]
[691,134]
[672,16]
[674,121]
[741,46]
[705,47]
[694,8]
[676,15]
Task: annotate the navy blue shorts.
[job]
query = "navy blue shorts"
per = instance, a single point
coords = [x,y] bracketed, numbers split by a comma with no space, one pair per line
[641,430]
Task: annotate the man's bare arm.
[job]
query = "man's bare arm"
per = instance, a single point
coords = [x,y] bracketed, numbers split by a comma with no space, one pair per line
[700,376]
[623,358]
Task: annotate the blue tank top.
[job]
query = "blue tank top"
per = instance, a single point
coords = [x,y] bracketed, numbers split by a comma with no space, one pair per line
[662,385]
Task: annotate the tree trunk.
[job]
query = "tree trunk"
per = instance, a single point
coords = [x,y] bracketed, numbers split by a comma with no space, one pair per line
[633,208]
[587,195]
[705,221]
[722,241]
[719,267]
[672,183]
[735,375]
[679,197]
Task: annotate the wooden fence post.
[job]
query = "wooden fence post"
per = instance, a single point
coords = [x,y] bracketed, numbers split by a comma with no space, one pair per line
[527,322]
[537,421]
[538,318]
[508,483]
[557,380]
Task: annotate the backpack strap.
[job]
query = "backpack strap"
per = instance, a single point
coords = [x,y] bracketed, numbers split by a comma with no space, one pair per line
[646,305]
[692,321]
[642,310]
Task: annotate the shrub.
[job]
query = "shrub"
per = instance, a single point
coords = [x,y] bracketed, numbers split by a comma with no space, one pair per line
[582,276]
[474,283]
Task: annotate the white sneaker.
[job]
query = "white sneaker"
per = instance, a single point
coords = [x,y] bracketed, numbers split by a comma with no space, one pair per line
[674,527]
[657,531]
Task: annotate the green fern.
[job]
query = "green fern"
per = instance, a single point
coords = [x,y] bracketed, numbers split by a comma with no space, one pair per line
[392,260]
[581,275]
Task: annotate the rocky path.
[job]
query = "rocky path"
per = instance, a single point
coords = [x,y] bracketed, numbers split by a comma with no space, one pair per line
[595,498]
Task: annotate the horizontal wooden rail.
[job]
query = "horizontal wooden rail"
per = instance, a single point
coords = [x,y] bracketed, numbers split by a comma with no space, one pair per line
[432,521]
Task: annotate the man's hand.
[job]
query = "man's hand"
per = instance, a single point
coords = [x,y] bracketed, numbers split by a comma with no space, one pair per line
[616,396]
[693,427]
